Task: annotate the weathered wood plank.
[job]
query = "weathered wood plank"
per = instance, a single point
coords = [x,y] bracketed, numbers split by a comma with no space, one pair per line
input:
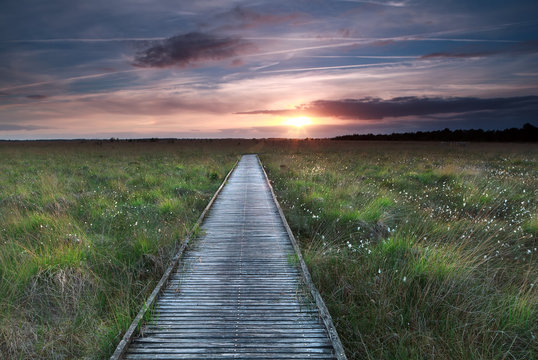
[230,355]
[236,294]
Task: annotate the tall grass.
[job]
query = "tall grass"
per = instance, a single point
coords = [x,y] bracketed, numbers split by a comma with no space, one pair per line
[422,251]
[86,230]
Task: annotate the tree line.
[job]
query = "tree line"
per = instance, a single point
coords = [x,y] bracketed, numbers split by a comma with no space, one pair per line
[527,133]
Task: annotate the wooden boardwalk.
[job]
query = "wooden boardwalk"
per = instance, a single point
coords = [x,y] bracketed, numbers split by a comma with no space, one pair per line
[238,293]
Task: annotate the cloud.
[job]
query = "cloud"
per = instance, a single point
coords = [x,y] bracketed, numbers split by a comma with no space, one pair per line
[37,97]
[383,42]
[187,49]
[458,55]
[378,109]
[67,80]
[270,112]
[141,103]
[243,18]
[381,3]
[527,47]
[237,63]
[15,127]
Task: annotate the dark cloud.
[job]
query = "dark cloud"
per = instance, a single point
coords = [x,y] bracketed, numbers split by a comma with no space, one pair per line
[36,97]
[377,109]
[15,127]
[484,120]
[191,48]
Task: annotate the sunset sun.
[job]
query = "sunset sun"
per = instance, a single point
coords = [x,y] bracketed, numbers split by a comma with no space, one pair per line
[299,121]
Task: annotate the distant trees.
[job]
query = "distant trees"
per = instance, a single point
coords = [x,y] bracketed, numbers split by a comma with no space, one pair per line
[528,133]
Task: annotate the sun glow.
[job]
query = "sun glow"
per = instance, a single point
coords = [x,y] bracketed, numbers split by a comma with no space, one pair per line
[299,121]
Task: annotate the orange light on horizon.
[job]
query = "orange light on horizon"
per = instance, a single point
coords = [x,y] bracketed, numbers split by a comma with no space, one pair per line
[298,121]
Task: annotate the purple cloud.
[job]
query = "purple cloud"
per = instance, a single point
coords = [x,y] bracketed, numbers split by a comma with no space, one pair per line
[187,49]
[378,109]
[37,97]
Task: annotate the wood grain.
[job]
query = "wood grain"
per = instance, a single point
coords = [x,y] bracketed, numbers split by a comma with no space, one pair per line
[236,293]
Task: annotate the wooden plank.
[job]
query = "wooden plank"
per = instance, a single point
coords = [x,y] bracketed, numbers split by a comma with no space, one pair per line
[236,349]
[324,312]
[236,293]
[127,337]
[265,332]
[235,352]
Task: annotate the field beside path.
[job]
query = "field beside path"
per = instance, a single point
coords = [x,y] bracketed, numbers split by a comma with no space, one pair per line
[86,231]
[420,250]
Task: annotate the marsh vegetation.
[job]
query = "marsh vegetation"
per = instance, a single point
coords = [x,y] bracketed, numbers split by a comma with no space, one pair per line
[86,231]
[419,250]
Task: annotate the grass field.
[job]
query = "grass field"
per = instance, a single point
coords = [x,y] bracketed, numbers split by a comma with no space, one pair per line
[86,230]
[421,250]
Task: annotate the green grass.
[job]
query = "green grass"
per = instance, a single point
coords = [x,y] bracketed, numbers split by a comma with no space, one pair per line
[86,231]
[421,251]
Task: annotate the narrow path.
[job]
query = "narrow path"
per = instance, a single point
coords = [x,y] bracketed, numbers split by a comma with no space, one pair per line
[237,293]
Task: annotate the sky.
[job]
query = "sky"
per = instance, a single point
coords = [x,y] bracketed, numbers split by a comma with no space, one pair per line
[268,68]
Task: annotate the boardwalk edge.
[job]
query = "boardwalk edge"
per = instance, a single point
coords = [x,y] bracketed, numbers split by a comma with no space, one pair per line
[126,340]
[323,311]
